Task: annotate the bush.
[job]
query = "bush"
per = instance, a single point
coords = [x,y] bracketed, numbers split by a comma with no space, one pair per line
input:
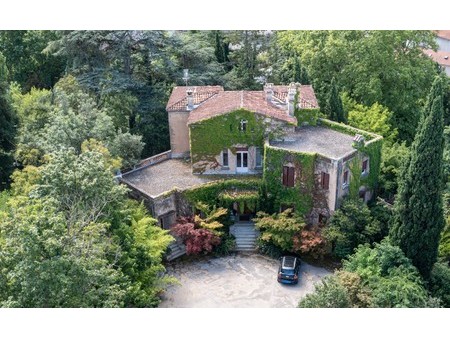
[351,226]
[311,242]
[268,248]
[227,245]
[196,239]
[330,293]
[279,229]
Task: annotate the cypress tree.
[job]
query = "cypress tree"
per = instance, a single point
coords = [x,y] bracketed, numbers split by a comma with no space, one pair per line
[418,216]
[7,128]
[334,107]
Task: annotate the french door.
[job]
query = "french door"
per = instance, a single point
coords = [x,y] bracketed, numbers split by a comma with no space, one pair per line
[242,161]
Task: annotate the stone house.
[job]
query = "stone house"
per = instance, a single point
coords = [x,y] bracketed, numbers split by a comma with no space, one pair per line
[240,149]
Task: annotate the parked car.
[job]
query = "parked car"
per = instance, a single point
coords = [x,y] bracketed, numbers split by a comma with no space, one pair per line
[288,270]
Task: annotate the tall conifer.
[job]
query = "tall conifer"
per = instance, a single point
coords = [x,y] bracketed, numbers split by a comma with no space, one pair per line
[418,217]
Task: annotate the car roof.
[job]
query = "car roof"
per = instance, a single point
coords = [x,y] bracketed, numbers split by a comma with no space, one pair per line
[288,262]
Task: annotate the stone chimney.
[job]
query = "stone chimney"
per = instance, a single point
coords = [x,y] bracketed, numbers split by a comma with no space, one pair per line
[268,90]
[190,99]
[291,98]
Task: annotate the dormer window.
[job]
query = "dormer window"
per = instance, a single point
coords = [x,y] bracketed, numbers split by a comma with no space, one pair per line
[243,125]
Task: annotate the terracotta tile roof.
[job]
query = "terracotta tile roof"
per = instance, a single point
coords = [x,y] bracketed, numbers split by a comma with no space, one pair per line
[228,101]
[443,34]
[307,97]
[178,99]
[441,57]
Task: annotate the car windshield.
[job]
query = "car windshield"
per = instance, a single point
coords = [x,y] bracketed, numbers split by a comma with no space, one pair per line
[287,271]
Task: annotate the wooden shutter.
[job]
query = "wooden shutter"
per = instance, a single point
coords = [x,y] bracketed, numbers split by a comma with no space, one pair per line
[285,175]
[325,180]
[290,176]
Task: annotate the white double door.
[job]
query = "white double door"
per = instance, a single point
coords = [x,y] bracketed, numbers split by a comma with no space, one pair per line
[242,161]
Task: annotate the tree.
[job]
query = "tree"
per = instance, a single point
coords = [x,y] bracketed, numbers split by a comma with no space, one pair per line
[388,67]
[373,277]
[351,226]
[27,64]
[376,118]
[392,159]
[333,107]
[418,216]
[7,127]
[280,229]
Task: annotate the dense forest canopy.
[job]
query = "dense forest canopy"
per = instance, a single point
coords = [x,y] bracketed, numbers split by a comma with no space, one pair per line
[76,106]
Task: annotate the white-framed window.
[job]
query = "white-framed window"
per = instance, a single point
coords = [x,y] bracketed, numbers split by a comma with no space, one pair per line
[258,157]
[225,158]
[243,125]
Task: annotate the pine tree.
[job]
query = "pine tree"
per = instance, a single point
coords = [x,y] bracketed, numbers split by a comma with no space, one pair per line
[334,107]
[418,217]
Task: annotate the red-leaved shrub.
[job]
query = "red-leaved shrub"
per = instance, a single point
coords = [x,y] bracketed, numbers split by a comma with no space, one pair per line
[310,241]
[195,238]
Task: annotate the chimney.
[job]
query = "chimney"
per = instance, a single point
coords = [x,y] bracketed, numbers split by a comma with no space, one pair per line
[291,98]
[190,99]
[268,90]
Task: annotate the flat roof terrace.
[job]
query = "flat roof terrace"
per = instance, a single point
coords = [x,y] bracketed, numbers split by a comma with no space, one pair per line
[164,176]
[315,139]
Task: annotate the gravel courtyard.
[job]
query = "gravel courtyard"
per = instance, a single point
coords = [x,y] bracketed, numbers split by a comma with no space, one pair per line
[239,280]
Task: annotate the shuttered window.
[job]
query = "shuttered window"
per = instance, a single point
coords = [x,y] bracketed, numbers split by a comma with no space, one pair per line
[325,180]
[345,177]
[288,176]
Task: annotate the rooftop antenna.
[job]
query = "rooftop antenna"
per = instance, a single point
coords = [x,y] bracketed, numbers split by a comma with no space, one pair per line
[186,76]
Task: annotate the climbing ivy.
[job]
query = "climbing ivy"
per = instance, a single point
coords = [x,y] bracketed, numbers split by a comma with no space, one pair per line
[372,150]
[219,192]
[243,198]
[210,136]
[302,194]
[307,116]
[343,128]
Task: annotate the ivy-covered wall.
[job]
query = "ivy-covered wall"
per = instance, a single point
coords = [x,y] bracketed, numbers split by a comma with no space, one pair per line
[302,194]
[209,137]
[372,150]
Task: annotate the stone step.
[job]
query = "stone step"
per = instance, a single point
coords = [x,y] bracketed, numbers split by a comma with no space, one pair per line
[245,240]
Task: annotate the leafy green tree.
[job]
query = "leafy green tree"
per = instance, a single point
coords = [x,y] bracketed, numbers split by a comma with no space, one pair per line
[142,244]
[388,67]
[351,226]
[330,293]
[418,216]
[279,229]
[7,128]
[333,107]
[45,263]
[373,277]
[376,118]
[393,158]
[26,62]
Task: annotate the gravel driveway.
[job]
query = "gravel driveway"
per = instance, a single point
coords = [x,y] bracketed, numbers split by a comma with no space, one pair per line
[240,280]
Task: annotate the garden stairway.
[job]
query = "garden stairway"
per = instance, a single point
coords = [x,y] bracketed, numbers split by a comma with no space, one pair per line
[176,249]
[246,235]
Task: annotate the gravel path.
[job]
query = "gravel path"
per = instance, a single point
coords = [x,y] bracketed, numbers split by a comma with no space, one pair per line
[240,280]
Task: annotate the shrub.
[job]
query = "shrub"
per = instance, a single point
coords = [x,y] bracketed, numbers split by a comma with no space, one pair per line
[310,241]
[351,226]
[226,246]
[268,248]
[197,240]
[279,229]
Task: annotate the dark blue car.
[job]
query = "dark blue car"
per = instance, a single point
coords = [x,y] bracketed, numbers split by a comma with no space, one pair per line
[288,270]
